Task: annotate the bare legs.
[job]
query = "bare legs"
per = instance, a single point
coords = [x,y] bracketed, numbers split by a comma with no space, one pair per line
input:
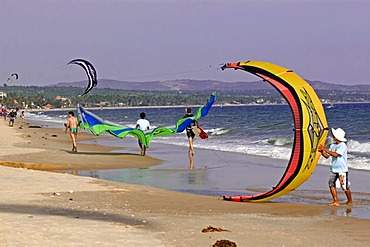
[334,194]
[74,144]
[191,154]
[143,149]
[349,197]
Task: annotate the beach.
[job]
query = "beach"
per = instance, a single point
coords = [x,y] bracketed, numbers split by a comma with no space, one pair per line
[44,208]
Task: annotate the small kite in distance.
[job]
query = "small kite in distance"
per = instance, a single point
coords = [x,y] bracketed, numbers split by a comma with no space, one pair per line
[12,76]
[90,71]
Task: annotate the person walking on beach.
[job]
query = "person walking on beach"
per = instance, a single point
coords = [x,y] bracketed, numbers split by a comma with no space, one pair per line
[3,111]
[142,124]
[339,166]
[191,135]
[72,125]
[12,116]
[21,121]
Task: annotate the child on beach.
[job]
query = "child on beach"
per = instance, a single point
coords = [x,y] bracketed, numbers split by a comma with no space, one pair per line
[191,135]
[339,166]
[72,125]
[142,124]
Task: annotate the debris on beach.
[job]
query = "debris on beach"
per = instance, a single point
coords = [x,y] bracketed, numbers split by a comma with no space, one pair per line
[214,229]
[224,243]
[56,193]
[34,127]
[54,135]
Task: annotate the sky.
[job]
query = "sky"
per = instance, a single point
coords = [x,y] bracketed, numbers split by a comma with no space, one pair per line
[151,40]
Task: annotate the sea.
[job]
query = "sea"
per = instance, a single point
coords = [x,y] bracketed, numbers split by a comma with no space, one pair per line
[262,130]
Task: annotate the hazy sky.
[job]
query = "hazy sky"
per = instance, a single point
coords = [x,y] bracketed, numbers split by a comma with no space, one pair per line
[146,40]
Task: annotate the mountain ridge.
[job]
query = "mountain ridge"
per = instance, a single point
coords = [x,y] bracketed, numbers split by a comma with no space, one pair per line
[204,85]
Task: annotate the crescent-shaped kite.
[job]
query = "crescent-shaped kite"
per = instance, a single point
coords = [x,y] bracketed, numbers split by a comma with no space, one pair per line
[310,126]
[10,79]
[90,72]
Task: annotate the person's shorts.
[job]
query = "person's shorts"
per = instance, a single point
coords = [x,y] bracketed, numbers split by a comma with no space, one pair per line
[343,180]
[190,133]
[74,130]
[12,119]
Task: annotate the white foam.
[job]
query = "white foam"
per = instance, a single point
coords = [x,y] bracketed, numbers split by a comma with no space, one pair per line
[217,131]
[355,146]
[257,148]
[277,152]
[277,141]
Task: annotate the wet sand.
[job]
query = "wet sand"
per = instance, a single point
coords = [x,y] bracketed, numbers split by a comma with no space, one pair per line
[66,210]
[51,149]
[219,173]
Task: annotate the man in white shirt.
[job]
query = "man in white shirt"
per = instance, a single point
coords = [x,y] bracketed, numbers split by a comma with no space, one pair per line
[142,124]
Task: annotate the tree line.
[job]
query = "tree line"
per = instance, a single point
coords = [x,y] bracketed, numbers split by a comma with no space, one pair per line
[58,97]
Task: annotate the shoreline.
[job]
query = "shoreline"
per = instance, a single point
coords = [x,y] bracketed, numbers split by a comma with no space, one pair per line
[52,208]
[173,106]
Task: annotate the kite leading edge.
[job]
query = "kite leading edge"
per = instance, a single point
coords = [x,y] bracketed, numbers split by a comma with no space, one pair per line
[310,126]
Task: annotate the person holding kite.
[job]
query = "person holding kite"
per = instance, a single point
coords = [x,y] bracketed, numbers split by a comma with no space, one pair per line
[142,124]
[339,166]
[190,133]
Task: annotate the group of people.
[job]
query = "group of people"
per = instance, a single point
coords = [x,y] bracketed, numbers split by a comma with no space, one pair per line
[11,115]
[143,124]
[337,151]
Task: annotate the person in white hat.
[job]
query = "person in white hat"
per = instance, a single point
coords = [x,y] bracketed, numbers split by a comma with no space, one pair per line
[339,167]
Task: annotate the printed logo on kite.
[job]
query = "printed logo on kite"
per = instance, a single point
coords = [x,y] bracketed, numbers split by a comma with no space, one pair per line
[90,72]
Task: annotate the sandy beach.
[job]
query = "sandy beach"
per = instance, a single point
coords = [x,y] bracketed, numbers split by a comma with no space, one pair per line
[43,208]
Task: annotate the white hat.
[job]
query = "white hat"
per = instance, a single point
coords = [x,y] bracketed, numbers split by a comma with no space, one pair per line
[339,134]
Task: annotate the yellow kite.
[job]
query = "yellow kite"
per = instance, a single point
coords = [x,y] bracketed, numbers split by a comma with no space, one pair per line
[310,126]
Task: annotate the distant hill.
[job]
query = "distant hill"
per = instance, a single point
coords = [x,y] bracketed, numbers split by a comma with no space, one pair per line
[204,85]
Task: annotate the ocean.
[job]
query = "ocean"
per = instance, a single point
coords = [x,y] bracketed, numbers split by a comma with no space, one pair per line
[262,130]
